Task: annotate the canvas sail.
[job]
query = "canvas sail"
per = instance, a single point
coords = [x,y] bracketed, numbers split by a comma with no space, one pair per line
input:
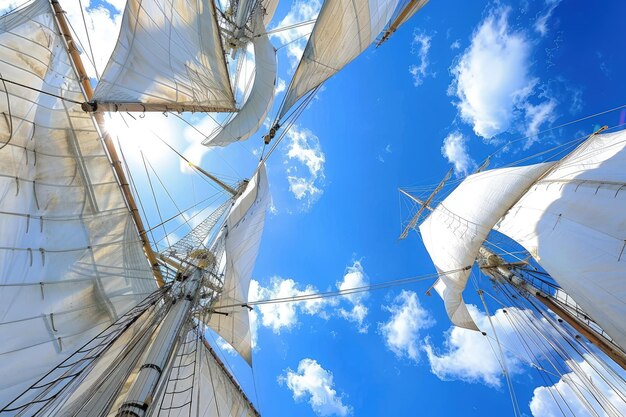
[71,261]
[455,230]
[242,235]
[572,222]
[168,57]
[259,102]
[343,30]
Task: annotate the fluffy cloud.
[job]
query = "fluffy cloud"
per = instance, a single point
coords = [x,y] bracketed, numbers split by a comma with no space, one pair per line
[283,315]
[536,116]
[572,387]
[408,318]
[354,278]
[304,153]
[492,79]
[420,46]
[315,383]
[455,150]
[468,355]
[296,38]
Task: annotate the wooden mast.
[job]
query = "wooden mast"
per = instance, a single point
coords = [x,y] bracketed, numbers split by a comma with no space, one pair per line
[108,142]
[496,268]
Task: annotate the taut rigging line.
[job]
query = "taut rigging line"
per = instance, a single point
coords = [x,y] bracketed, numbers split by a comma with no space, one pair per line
[364,288]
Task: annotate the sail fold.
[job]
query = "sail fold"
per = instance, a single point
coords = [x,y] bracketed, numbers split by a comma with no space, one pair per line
[252,114]
[71,261]
[243,230]
[455,230]
[572,222]
[344,29]
[168,57]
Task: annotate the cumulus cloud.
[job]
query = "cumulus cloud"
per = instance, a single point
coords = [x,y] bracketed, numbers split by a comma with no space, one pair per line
[583,389]
[401,332]
[304,152]
[354,278]
[420,46]
[296,38]
[280,86]
[468,355]
[492,79]
[536,116]
[455,150]
[284,315]
[541,24]
[316,384]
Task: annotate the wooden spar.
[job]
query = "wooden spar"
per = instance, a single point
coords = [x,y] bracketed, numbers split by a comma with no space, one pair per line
[425,205]
[219,182]
[409,9]
[601,343]
[108,142]
[496,268]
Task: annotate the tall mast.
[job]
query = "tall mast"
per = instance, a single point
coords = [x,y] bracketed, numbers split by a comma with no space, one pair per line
[108,142]
[499,270]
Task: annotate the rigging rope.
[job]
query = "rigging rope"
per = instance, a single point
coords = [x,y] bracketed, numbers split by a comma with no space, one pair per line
[354,290]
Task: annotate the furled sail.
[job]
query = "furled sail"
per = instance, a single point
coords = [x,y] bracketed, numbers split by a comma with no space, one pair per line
[242,235]
[343,30]
[71,261]
[572,222]
[457,228]
[252,114]
[168,57]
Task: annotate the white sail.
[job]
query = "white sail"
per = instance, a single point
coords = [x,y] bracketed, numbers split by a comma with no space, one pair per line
[343,30]
[243,230]
[70,257]
[572,222]
[252,114]
[168,57]
[457,228]
[200,386]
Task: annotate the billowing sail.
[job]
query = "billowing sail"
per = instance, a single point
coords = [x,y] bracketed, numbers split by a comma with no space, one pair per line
[71,261]
[252,114]
[343,30]
[243,230]
[168,57]
[572,222]
[457,228]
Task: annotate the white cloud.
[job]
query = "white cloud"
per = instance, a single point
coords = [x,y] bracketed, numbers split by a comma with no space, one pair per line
[455,150]
[468,355]
[541,24]
[284,315]
[536,116]
[194,135]
[354,278]
[304,149]
[301,11]
[571,387]
[420,46]
[407,319]
[225,346]
[492,78]
[315,383]
[280,86]
[456,44]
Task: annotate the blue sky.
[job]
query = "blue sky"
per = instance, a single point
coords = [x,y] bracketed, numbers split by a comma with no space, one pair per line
[452,86]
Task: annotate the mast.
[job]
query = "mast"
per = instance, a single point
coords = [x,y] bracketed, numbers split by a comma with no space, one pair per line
[108,143]
[499,270]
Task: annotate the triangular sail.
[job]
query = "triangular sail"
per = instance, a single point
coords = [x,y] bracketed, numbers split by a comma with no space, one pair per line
[252,114]
[572,222]
[71,261]
[344,29]
[242,237]
[455,230]
[168,57]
